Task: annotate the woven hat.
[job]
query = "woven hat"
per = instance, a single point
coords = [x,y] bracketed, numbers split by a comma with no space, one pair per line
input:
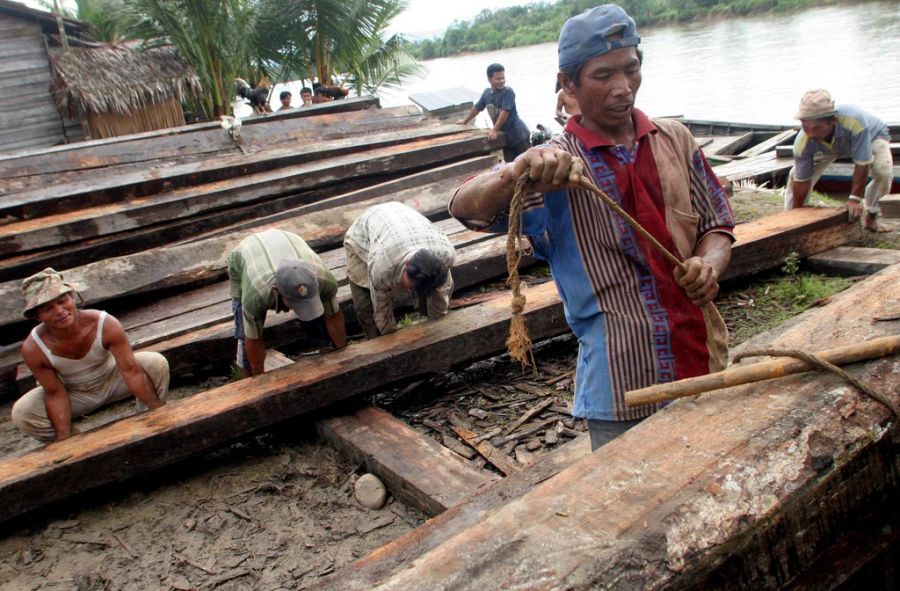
[41,288]
[297,283]
[816,104]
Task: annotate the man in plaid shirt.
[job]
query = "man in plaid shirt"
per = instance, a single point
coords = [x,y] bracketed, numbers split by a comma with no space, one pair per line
[393,249]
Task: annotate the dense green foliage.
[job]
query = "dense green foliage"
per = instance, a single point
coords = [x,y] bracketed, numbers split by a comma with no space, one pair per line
[541,22]
[279,40]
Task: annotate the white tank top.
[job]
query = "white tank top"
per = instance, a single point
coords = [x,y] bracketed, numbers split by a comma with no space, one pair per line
[88,373]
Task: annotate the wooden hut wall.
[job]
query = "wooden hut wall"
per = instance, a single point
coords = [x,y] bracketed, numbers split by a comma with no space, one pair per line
[28,115]
[159,115]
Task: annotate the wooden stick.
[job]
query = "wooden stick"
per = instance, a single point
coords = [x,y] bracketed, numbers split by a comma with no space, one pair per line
[776,368]
[488,451]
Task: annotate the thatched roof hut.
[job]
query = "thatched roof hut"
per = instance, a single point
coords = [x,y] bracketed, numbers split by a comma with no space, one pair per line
[117,90]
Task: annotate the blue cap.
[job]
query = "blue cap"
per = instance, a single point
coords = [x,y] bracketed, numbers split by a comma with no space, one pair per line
[585,36]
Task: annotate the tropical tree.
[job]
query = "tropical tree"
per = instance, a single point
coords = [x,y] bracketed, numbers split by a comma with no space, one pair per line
[317,39]
[215,36]
[109,20]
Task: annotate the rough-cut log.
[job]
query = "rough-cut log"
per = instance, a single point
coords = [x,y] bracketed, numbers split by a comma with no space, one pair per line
[852,260]
[199,227]
[740,489]
[182,428]
[198,181]
[168,267]
[173,142]
[765,243]
[134,157]
[414,467]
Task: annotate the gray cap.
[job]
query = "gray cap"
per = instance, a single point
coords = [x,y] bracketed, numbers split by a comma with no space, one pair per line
[586,35]
[296,282]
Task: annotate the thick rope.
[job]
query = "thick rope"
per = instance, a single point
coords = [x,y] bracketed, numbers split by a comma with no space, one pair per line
[817,362]
[518,343]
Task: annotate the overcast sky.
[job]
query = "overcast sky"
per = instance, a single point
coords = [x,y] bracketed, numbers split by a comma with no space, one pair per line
[427,18]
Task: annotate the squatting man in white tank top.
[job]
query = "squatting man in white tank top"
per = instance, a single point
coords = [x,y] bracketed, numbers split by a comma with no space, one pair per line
[81,360]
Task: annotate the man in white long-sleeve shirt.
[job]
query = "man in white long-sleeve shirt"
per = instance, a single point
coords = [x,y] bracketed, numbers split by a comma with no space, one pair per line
[391,248]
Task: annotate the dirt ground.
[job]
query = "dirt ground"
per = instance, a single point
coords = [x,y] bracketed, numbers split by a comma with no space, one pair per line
[274,510]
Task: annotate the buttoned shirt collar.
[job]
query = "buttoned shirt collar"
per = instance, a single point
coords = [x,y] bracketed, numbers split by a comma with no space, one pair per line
[591,139]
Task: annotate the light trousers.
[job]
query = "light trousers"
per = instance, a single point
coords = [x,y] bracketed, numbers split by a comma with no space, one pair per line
[29,413]
[881,170]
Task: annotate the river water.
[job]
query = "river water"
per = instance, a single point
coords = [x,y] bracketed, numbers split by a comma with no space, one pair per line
[751,69]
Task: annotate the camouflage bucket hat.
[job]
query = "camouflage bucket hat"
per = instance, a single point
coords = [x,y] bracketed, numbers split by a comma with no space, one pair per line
[41,288]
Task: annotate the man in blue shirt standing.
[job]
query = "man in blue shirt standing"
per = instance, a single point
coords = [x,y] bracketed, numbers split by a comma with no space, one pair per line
[845,131]
[500,101]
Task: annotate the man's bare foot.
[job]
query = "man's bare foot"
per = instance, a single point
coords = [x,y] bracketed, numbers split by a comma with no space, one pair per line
[878,228]
[872,225]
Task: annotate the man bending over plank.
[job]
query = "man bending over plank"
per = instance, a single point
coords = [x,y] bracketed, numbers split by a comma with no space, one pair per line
[277,270]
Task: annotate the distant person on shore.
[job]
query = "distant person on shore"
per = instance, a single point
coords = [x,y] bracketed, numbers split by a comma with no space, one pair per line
[319,95]
[285,98]
[257,97]
[500,102]
[566,105]
[391,249]
[335,91]
[830,132]
[639,319]
[81,360]
[306,96]
[277,270]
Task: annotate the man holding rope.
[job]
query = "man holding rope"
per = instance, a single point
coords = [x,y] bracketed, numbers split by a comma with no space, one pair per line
[640,319]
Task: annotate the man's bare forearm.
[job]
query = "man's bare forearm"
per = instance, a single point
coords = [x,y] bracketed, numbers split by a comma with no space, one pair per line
[801,192]
[484,196]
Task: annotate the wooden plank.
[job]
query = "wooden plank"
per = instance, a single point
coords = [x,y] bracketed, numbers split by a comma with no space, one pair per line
[785,137]
[736,490]
[728,145]
[852,260]
[125,142]
[415,468]
[182,428]
[115,159]
[174,183]
[788,151]
[223,222]
[275,359]
[490,453]
[156,269]
[139,212]
[766,242]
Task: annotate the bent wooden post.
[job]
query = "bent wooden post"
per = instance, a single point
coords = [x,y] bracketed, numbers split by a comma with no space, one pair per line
[765,370]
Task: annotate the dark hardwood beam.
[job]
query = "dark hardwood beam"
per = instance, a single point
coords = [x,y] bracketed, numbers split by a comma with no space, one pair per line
[414,467]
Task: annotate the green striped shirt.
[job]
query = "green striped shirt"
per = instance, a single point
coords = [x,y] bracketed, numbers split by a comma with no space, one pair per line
[251,272]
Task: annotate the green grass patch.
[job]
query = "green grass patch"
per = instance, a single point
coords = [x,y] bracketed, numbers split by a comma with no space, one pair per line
[410,319]
[759,306]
